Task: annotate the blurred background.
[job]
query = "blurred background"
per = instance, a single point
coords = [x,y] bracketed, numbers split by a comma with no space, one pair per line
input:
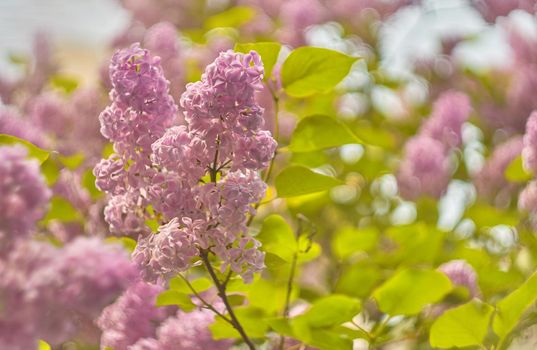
[82,30]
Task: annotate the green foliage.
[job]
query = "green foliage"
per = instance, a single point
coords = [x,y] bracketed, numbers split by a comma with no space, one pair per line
[349,241]
[268,52]
[511,308]
[330,311]
[278,238]
[173,297]
[33,151]
[318,132]
[43,345]
[62,210]
[465,325]
[72,162]
[298,180]
[312,70]
[410,290]
[515,171]
[249,317]
[234,17]
[64,83]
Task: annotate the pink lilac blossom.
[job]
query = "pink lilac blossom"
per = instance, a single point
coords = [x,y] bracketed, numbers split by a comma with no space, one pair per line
[461,274]
[492,9]
[425,168]
[140,112]
[490,181]
[132,317]
[529,152]
[527,202]
[23,194]
[201,179]
[11,123]
[450,111]
[190,331]
[50,293]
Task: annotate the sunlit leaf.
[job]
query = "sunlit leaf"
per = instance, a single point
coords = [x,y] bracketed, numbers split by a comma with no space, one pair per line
[173,297]
[298,180]
[511,308]
[410,290]
[234,17]
[465,325]
[33,151]
[311,70]
[319,132]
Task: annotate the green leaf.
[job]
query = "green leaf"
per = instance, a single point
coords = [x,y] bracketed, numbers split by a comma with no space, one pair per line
[234,17]
[88,182]
[311,70]
[173,297]
[250,318]
[318,132]
[200,284]
[358,280]
[277,238]
[351,240]
[72,162]
[267,50]
[61,210]
[410,290]
[485,215]
[50,170]
[511,308]
[330,311]
[465,325]
[43,345]
[65,83]
[33,151]
[515,171]
[298,180]
[153,224]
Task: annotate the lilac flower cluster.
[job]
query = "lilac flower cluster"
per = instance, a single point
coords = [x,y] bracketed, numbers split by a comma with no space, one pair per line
[425,169]
[51,293]
[200,179]
[132,317]
[23,195]
[133,322]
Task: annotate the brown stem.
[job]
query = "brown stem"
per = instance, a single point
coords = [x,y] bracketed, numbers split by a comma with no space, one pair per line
[222,293]
[203,301]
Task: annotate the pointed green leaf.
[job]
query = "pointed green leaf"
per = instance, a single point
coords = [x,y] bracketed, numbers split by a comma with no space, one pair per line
[298,180]
[173,297]
[311,70]
[320,132]
[465,325]
[277,237]
[511,308]
[410,290]
[33,151]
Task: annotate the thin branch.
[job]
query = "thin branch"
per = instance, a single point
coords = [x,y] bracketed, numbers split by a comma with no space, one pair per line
[203,301]
[222,293]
